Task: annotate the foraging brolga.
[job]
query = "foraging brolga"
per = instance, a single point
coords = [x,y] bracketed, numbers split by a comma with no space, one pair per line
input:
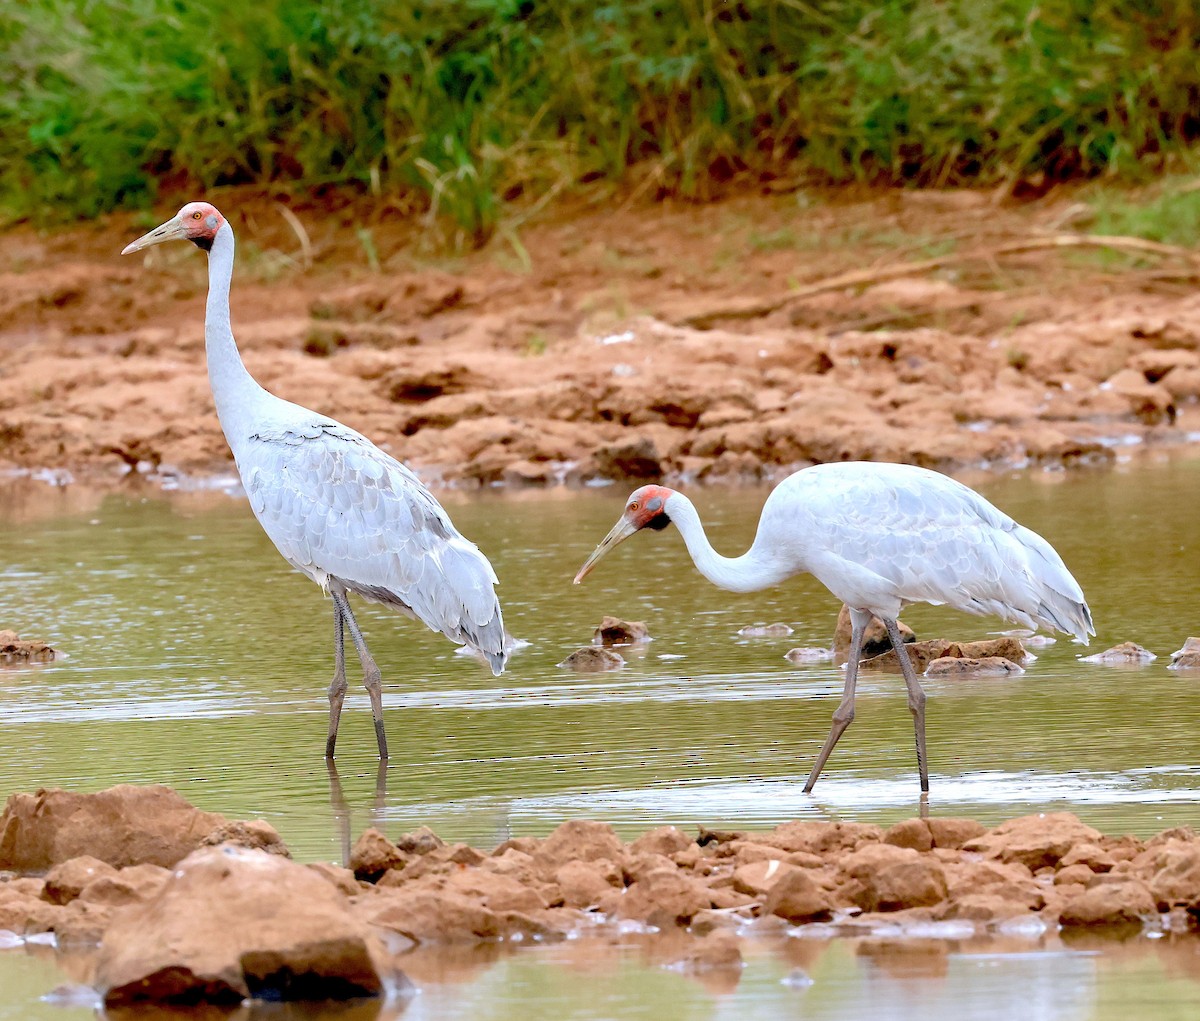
[339,509]
[879,537]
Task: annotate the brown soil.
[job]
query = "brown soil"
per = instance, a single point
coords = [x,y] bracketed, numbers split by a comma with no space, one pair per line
[579,350]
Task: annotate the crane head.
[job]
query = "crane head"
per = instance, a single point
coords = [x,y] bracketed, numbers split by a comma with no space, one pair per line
[197,222]
[646,508]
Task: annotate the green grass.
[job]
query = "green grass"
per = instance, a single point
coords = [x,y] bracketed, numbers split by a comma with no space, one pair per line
[472,104]
[1171,215]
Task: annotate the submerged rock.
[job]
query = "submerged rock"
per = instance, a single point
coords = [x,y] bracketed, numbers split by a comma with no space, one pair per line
[13,649]
[923,654]
[1121,655]
[233,923]
[1187,658]
[614,631]
[808,654]
[593,659]
[766,631]
[961,666]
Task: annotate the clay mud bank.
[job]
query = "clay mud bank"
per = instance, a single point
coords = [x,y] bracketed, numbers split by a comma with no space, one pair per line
[185,905]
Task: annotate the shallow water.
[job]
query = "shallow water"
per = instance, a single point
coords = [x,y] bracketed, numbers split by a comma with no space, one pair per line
[197,658]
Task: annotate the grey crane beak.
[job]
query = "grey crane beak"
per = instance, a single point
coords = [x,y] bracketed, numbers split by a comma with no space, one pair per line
[168,231]
[621,531]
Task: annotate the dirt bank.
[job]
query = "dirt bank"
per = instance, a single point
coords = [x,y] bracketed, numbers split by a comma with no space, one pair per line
[612,339]
[188,905]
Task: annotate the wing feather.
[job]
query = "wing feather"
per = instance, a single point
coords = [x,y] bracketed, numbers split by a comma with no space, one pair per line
[340,509]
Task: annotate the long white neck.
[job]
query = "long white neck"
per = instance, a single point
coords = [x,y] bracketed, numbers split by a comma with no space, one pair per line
[235,391]
[755,569]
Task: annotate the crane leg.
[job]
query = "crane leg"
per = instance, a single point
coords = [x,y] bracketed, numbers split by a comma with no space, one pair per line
[372,679]
[843,716]
[337,688]
[916,698]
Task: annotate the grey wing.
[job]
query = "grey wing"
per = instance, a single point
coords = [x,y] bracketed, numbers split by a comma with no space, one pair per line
[923,537]
[341,510]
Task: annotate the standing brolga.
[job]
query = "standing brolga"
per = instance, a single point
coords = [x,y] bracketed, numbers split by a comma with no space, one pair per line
[339,509]
[879,536]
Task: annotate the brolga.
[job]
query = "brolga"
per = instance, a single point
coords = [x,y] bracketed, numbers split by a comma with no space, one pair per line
[879,537]
[339,509]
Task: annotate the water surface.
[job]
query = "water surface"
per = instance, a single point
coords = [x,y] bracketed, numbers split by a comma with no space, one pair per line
[198,659]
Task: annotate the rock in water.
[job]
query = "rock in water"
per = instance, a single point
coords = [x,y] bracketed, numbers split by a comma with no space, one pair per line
[766,631]
[808,654]
[1121,655]
[1187,658]
[15,650]
[233,923]
[614,631]
[592,660]
[961,666]
[875,639]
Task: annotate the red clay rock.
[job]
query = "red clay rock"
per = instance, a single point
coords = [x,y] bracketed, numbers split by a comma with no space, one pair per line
[912,833]
[640,865]
[981,907]
[665,840]
[582,883]
[1009,881]
[758,877]
[797,898]
[953,833]
[891,878]
[233,923]
[1092,855]
[373,855]
[823,838]
[1117,903]
[746,851]
[664,898]
[1174,870]
[131,885]
[498,893]
[64,882]
[254,834]
[124,825]
[422,840]
[579,840]
[83,923]
[1077,873]
[428,916]
[25,913]
[340,878]
[1034,840]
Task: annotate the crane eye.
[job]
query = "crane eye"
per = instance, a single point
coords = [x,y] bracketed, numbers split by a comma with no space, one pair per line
[197,214]
[634,505]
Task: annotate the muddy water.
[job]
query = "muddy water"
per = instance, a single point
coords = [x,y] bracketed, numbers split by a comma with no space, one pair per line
[198,659]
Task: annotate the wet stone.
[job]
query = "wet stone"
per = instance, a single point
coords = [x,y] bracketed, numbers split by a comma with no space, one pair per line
[615,631]
[593,659]
[989,666]
[1127,653]
[65,881]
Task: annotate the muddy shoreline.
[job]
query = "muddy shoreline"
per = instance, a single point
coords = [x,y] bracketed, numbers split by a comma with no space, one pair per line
[184,905]
[615,344]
